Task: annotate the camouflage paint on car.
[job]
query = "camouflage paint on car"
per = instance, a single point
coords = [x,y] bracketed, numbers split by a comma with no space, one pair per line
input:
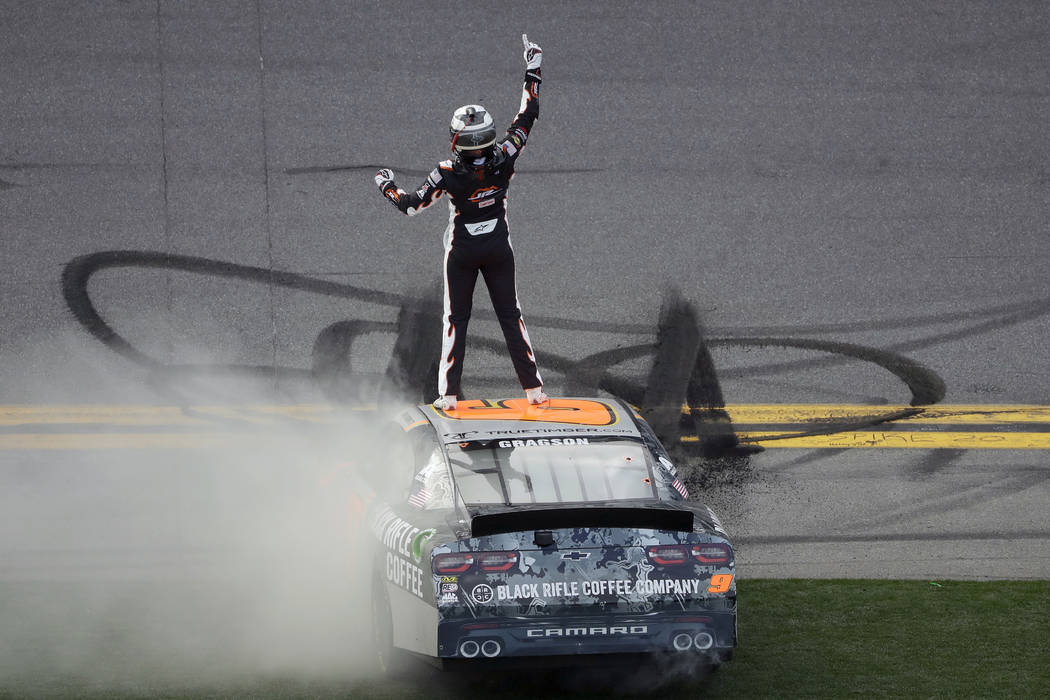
[593,589]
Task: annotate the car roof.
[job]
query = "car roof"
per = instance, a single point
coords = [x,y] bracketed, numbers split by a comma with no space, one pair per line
[481,419]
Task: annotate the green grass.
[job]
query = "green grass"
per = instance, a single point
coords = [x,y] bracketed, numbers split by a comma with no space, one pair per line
[798,638]
[889,639]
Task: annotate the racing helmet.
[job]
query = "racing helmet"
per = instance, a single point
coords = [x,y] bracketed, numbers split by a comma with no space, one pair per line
[473,132]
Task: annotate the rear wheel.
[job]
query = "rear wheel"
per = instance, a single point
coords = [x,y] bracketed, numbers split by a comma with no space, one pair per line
[383,628]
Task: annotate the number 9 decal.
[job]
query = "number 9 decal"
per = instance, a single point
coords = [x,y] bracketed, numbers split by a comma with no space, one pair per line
[720,583]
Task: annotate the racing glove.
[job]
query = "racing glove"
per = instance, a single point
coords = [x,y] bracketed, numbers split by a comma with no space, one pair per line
[533,57]
[385,182]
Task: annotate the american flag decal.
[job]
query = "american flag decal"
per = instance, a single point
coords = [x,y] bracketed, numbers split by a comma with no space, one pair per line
[419,498]
[680,488]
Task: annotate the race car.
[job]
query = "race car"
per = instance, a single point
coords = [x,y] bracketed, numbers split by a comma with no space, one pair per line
[511,531]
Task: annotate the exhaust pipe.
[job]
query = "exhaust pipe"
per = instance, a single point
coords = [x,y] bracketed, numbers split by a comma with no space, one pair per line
[491,648]
[469,649]
[703,641]
[682,642]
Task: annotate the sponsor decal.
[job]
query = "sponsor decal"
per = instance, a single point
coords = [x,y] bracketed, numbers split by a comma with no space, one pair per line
[594,589]
[449,589]
[482,593]
[483,193]
[587,631]
[419,540]
[400,535]
[575,556]
[720,583]
[404,574]
[542,442]
[419,500]
[481,227]
[680,488]
[601,432]
[550,589]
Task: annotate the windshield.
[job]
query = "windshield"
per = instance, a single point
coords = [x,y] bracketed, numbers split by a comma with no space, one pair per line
[551,470]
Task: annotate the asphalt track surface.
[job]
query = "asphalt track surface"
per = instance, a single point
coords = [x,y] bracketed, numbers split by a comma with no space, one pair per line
[812,179]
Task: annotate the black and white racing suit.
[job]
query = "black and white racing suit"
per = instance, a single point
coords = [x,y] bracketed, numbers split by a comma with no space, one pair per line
[478,240]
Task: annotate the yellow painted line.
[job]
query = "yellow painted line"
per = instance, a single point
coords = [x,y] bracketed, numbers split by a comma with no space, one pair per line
[909,439]
[942,414]
[741,414]
[850,439]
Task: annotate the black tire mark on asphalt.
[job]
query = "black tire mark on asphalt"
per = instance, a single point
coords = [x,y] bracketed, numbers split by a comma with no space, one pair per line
[933,462]
[788,387]
[676,347]
[1029,311]
[78,272]
[331,358]
[672,360]
[925,385]
[814,455]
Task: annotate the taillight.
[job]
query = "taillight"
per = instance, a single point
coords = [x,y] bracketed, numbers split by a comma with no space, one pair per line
[497,561]
[461,562]
[713,553]
[672,554]
[668,554]
[455,563]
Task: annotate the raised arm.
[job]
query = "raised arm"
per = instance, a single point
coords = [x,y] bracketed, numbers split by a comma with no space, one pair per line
[529,111]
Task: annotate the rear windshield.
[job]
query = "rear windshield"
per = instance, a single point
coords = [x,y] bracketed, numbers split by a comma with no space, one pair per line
[551,470]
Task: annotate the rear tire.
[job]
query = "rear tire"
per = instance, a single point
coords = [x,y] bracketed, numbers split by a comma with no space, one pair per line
[390,662]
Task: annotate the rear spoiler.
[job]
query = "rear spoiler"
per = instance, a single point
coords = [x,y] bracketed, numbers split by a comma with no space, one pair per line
[490,521]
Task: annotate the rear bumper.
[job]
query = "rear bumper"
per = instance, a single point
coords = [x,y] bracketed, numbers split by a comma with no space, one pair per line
[493,638]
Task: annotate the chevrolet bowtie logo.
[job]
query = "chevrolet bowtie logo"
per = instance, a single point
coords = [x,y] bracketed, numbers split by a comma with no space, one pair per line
[575,556]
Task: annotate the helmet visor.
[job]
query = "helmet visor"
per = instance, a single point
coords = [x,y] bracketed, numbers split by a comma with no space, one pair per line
[470,154]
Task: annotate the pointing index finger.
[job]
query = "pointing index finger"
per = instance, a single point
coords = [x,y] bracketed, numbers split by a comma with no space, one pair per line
[525,40]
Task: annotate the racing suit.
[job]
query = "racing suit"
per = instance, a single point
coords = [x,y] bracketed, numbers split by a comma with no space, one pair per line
[477,239]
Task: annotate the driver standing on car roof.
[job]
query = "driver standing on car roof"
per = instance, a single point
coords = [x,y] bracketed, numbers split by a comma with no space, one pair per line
[477,239]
